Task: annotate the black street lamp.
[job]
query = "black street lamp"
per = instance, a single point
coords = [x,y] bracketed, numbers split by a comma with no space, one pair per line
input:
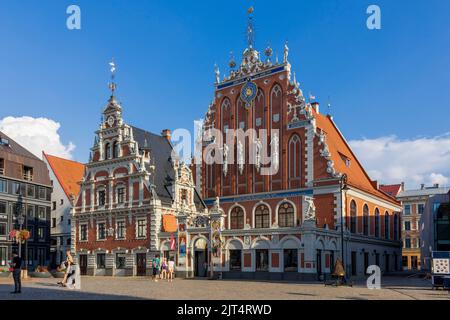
[343,187]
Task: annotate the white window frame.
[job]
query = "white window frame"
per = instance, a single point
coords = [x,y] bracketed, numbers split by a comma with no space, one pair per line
[137,228]
[97,233]
[117,229]
[79,232]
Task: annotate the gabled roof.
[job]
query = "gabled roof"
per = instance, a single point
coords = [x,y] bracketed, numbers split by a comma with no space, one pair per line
[15,148]
[68,173]
[391,189]
[161,154]
[339,149]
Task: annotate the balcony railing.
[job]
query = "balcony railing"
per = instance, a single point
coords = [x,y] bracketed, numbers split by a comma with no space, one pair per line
[27,176]
[2,171]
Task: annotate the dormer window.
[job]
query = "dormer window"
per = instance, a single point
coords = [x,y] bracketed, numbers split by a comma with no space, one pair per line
[345,159]
[27,173]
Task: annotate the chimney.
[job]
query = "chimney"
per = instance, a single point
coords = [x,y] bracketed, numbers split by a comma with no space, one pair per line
[422,186]
[166,134]
[315,106]
[375,184]
[436,185]
[402,187]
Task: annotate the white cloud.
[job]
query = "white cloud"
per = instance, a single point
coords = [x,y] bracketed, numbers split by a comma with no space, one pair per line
[414,161]
[37,135]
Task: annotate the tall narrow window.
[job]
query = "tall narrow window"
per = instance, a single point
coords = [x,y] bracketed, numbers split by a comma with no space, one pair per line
[396,226]
[276,102]
[353,216]
[262,216]
[101,197]
[377,222]
[120,195]
[366,220]
[286,215]
[116,149]
[101,231]
[386,225]
[294,162]
[107,151]
[83,232]
[120,230]
[237,218]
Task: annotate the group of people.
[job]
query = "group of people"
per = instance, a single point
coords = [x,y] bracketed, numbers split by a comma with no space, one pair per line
[163,269]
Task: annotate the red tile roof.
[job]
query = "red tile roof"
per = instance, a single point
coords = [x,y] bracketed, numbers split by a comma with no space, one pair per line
[339,149]
[391,189]
[68,173]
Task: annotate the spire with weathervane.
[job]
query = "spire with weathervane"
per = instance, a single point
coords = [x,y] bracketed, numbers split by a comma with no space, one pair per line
[112,113]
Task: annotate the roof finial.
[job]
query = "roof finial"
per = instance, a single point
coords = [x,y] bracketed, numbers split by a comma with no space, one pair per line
[250,28]
[217,72]
[112,85]
[286,52]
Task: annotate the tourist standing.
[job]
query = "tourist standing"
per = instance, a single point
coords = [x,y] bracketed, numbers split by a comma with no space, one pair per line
[16,266]
[171,265]
[155,265]
[163,273]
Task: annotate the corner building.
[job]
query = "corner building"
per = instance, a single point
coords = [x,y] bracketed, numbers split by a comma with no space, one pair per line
[288,225]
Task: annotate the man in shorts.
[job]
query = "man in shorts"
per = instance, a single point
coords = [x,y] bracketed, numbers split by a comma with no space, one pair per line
[155,265]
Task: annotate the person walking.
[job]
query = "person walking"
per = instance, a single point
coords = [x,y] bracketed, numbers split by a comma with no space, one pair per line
[155,265]
[16,266]
[171,266]
[68,264]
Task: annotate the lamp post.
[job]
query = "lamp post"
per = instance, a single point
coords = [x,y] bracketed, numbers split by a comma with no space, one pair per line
[343,186]
[20,219]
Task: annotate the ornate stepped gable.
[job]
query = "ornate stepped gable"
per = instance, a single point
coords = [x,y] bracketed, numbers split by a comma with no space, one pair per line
[336,154]
[124,151]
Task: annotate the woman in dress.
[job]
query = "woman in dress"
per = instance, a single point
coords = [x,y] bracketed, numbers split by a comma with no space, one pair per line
[171,265]
[68,263]
[163,273]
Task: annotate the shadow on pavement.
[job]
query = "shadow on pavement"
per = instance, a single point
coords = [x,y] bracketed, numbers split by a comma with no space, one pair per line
[57,293]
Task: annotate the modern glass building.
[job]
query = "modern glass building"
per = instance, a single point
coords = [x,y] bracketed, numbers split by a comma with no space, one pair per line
[435,227]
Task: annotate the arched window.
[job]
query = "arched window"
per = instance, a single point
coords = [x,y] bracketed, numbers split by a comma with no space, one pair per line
[286,215]
[386,225]
[275,123]
[377,222]
[353,216]
[275,98]
[396,226]
[237,218]
[294,161]
[107,151]
[366,220]
[262,216]
[116,149]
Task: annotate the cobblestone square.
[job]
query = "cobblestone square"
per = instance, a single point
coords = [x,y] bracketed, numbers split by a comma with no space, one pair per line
[101,288]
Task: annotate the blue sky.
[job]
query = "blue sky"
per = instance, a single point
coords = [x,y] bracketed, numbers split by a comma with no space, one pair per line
[381,83]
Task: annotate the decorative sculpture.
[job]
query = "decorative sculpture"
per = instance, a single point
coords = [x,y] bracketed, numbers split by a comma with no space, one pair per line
[240,159]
